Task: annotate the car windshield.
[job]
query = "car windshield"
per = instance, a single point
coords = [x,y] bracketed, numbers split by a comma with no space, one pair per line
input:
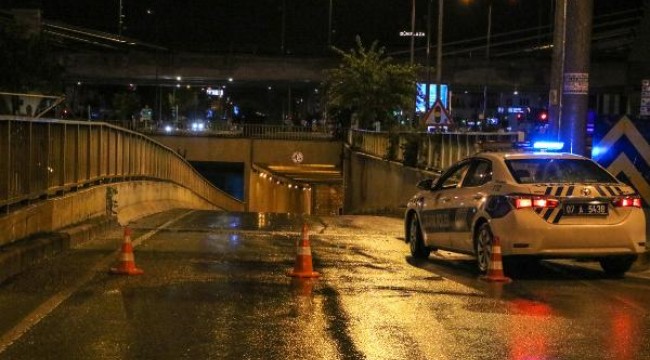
[549,170]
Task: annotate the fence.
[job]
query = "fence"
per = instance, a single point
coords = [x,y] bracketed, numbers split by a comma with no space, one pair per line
[426,150]
[42,158]
[280,132]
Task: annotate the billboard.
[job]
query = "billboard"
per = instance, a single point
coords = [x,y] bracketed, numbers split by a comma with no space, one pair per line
[422,94]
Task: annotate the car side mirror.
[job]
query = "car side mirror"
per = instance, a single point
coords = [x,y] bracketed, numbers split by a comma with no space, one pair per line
[425,184]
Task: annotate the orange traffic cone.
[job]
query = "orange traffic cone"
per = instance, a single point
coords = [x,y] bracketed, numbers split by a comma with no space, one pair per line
[127,260]
[495,267]
[303,267]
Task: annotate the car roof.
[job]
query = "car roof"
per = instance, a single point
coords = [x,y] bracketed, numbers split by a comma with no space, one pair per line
[513,155]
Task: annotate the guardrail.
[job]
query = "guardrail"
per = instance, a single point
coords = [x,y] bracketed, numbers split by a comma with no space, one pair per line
[261,131]
[42,158]
[435,151]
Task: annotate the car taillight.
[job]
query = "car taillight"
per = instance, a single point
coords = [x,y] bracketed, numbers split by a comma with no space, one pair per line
[523,202]
[630,201]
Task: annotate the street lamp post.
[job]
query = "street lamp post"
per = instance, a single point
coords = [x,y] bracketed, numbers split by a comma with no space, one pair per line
[487,58]
[438,53]
[412,31]
[120,19]
[284,25]
[415,98]
[329,26]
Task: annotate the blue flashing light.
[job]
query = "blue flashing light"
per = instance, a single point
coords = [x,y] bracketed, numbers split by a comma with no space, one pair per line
[548,145]
[598,151]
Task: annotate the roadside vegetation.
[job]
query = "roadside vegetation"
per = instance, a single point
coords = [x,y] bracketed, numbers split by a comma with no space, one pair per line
[369,87]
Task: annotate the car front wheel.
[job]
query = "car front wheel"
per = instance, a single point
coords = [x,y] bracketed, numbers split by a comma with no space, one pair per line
[416,243]
[617,266]
[484,240]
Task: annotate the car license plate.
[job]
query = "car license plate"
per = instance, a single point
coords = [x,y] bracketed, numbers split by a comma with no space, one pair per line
[585,209]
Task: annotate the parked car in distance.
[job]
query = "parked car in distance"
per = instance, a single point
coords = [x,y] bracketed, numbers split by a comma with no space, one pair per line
[540,205]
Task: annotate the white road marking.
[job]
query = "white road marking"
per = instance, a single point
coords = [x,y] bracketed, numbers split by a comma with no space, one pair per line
[46,308]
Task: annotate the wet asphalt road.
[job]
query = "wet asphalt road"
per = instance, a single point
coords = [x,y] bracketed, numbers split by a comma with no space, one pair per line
[215,287]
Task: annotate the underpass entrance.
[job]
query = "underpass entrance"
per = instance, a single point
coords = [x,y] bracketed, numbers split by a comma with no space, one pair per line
[301,188]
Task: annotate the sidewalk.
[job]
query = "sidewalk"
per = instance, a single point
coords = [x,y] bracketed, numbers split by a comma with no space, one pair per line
[21,255]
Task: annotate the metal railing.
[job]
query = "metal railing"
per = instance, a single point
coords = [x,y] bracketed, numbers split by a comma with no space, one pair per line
[435,151]
[42,158]
[260,131]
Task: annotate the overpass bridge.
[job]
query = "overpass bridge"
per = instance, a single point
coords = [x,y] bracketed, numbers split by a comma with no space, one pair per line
[519,58]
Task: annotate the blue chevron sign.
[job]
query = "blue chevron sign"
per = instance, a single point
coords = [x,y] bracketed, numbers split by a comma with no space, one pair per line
[622,148]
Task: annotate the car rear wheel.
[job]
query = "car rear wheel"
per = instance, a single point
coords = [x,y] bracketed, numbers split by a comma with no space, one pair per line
[617,266]
[416,243]
[484,239]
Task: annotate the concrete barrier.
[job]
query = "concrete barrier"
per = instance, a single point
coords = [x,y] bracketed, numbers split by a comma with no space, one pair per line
[377,186]
[134,199]
[49,227]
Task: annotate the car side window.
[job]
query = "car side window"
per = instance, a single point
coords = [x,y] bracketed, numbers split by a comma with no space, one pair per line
[453,177]
[479,173]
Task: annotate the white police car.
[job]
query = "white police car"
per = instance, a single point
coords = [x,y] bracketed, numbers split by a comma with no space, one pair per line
[540,205]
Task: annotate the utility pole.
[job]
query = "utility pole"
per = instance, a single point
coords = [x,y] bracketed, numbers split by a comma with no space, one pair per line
[569,94]
[120,19]
[439,52]
[329,26]
[427,89]
[413,108]
[487,60]
[412,31]
[284,26]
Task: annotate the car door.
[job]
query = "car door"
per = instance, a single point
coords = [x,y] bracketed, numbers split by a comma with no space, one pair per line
[465,201]
[436,209]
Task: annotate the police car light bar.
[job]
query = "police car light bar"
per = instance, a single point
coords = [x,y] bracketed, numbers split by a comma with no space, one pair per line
[548,145]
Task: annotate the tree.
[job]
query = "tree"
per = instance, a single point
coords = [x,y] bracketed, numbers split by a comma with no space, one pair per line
[126,104]
[369,85]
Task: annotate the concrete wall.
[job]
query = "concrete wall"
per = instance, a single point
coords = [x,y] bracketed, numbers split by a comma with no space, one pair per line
[374,185]
[272,197]
[259,151]
[134,200]
[328,199]
[205,148]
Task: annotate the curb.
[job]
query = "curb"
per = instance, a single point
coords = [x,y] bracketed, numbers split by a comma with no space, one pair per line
[25,253]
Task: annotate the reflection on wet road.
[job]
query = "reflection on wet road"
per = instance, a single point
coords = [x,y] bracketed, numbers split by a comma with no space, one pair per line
[215,287]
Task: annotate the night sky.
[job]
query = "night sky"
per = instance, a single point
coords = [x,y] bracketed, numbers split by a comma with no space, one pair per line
[256,25]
